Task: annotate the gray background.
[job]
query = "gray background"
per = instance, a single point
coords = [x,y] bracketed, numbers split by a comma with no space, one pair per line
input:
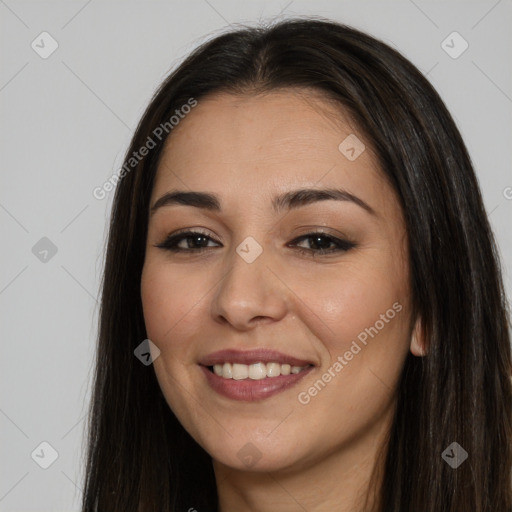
[65,123]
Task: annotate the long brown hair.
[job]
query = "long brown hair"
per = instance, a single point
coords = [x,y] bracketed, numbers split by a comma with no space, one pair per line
[139,456]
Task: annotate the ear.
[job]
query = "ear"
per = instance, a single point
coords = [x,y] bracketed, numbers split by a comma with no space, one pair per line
[418,342]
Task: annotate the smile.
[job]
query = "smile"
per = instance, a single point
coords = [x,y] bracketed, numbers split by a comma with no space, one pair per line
[255,371]
[252,375]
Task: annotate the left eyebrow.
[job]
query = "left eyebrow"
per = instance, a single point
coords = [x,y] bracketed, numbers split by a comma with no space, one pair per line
[303,197]
[289,200]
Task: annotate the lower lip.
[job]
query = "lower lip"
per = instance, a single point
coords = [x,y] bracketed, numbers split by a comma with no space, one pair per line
[249,390]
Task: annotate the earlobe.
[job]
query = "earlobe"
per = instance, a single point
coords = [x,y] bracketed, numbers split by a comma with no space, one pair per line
[418,342]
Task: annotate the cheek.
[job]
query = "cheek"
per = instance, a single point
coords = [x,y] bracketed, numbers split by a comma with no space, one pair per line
[168,296]
[357,298]
[360,322]
[363,311]
[170,299]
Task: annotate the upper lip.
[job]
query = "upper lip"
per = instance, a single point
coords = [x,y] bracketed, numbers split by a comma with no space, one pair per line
[251,357]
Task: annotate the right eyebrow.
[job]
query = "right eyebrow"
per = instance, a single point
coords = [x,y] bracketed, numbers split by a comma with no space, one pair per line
[197,199]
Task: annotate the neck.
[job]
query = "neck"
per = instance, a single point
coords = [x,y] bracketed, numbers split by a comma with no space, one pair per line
[348,479]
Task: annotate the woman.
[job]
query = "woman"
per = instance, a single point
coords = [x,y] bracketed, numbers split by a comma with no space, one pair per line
[299,246]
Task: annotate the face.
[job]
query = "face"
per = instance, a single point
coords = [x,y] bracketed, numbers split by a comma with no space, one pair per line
[283,319]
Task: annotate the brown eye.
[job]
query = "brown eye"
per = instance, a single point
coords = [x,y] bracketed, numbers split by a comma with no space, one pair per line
[320,243]
[188,241]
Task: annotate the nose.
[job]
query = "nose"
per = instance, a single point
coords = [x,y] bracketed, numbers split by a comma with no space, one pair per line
[249,294]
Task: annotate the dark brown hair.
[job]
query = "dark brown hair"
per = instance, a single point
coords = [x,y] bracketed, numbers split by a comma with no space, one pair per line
[139,456]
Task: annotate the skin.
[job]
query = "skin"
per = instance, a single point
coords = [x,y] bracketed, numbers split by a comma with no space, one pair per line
[246,149]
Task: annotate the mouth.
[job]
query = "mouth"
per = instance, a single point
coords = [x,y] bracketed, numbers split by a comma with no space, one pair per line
[252,375]
[256,371]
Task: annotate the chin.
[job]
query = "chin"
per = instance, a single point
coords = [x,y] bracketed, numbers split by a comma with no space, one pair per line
[246,454]
[255,461]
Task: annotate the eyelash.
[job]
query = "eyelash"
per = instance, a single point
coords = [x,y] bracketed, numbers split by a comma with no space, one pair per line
[171,242]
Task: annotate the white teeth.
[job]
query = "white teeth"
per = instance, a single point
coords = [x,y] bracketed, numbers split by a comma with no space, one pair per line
[240,371]
[227,371]
[273,369]
[256,371]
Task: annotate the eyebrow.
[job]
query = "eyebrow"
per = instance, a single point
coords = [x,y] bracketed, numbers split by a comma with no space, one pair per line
[286,201]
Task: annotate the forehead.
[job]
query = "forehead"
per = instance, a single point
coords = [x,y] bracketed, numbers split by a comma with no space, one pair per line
[252,144]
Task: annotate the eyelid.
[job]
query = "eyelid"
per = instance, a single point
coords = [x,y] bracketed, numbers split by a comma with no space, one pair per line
[314,229]
[192,231]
